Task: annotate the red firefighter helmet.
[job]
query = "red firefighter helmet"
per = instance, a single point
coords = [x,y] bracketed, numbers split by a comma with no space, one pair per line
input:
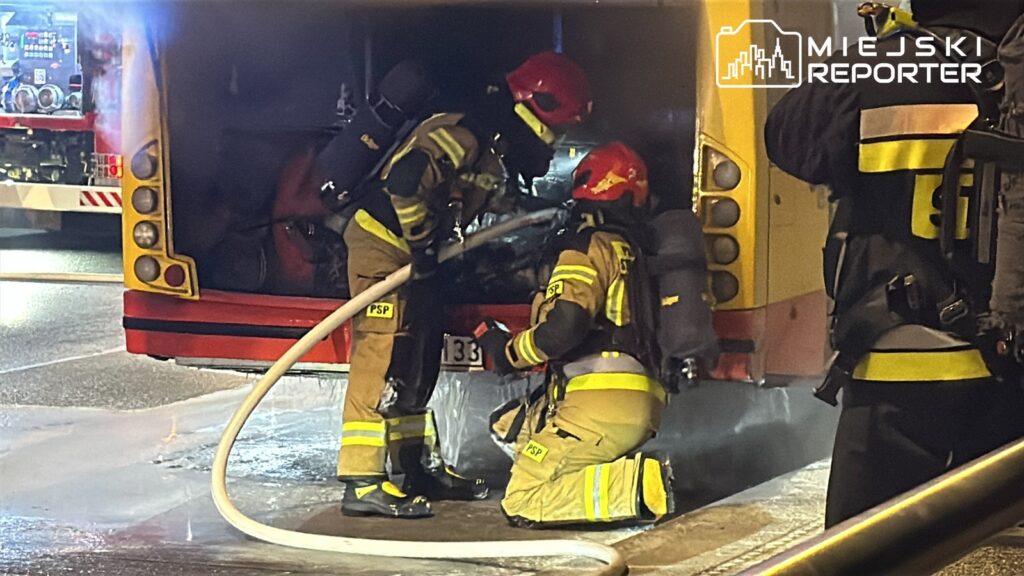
[608,173]
[554,88]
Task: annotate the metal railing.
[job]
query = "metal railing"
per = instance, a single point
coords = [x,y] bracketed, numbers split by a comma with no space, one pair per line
[921,531]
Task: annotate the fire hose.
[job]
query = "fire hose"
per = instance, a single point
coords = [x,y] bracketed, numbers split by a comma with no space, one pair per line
[615,564]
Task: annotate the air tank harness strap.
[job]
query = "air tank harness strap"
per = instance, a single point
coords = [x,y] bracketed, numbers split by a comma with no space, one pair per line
[522,407]
[902,300]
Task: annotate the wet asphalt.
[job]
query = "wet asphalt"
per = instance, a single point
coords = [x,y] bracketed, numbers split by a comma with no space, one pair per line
[66,384]
[62,344]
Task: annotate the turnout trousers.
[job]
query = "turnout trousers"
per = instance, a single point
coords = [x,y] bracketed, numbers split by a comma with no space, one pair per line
[571,463]
[395,360]
[894,435]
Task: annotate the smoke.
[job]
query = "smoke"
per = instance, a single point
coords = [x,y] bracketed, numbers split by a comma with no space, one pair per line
[102,29]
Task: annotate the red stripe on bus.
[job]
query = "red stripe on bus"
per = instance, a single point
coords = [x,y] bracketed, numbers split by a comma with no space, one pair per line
[86,199]
[105,200]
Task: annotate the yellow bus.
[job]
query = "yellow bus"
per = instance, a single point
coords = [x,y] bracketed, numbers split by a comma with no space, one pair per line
[220,110]
[764,229]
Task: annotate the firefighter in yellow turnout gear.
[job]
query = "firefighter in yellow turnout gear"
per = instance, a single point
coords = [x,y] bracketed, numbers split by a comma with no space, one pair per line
[572,446]
[438,180]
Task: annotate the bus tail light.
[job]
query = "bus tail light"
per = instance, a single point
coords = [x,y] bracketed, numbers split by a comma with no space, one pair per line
[145,162]
[147,268]
[144,200]
[723,212]
[174,275]
[725,174]
[149,259]
[145,234]
[724,249]
[724,286]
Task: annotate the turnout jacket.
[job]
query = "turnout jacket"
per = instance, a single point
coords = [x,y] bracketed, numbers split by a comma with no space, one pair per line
[445,159]
[881,148]
[584,309]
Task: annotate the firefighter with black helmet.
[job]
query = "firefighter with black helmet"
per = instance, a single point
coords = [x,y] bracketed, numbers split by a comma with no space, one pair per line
[570,445]
[441,177]
[918,397]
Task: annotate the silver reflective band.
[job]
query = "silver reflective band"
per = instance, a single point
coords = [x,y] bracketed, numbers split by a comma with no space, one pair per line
[599,363]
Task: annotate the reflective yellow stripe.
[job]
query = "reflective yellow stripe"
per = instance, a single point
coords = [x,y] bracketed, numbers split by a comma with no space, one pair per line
[603,472]
[572,276]
[411,215]
[588,493]
[908,119]
[417,207]
[620,305]
[371,225]
[406,427]
[397,436]
[587,270]
[615,381]
[925,212]
[406,422]
[526,347]
[363,441]
[364,425]
[451,147]
[539,128]
[896,155]
[483,180]
[406,148]
[615,301]
[363,433]
[392,490]
[921,366]
[362,492]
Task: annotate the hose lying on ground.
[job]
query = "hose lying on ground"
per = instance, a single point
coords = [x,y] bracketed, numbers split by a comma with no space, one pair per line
[391,548]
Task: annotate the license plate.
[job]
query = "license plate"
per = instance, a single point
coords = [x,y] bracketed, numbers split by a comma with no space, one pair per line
[461,352]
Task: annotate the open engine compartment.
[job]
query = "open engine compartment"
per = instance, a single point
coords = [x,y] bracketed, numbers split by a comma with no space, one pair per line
[274,82]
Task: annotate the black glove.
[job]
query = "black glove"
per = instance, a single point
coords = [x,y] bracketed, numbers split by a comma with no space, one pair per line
[493,337]
[424,259]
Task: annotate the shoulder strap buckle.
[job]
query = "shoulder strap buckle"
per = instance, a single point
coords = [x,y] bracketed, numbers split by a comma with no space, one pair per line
[953,313]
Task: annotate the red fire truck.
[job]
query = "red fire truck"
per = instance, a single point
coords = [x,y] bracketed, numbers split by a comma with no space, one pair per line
[60,113]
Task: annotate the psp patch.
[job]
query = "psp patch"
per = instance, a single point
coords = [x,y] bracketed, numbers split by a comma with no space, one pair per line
[555,289]
[380,310]
[535,451]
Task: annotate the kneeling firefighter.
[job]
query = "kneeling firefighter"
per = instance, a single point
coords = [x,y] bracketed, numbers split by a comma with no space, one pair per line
[443,175]
[600,404]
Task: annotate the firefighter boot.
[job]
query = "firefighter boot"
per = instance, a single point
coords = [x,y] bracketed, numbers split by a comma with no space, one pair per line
[417,451]
[376,497]
[436,480]
[656,497]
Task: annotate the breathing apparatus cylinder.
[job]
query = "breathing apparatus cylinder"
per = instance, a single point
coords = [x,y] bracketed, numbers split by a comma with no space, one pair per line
[352,155]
